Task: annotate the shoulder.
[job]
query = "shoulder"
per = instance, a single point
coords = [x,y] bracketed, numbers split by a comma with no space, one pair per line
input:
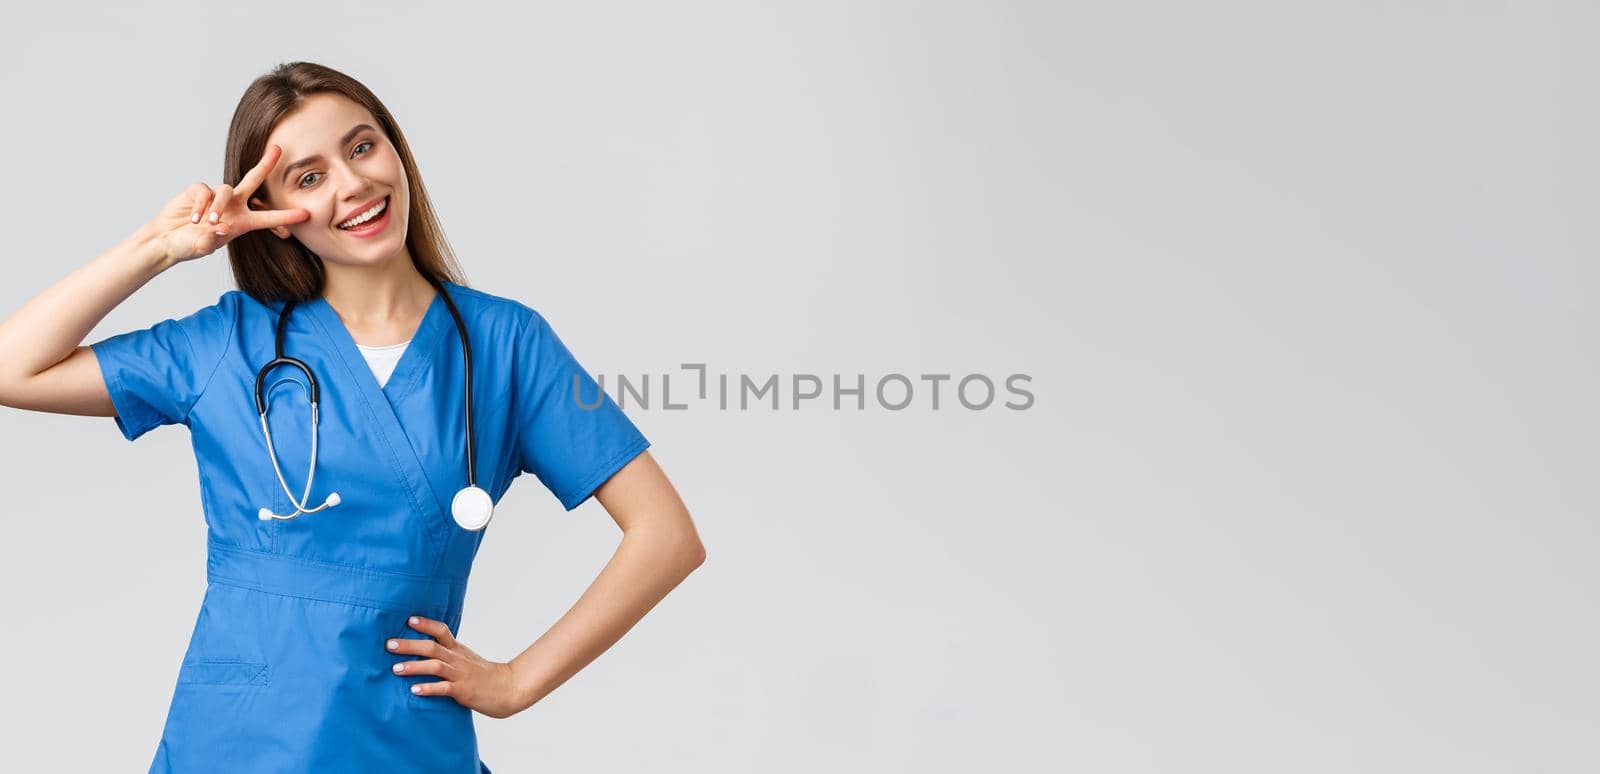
[210,325]
[233,306]
[494,312]
[229,304]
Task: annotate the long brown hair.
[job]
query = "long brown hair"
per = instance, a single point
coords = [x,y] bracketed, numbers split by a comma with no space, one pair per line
[273,269]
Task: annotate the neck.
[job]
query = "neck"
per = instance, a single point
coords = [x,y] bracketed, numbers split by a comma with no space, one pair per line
[372,295]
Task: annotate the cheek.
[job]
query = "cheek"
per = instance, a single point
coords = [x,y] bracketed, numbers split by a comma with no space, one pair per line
[397,170]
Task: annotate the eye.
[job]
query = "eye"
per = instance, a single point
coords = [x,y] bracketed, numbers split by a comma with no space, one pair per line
[302,183]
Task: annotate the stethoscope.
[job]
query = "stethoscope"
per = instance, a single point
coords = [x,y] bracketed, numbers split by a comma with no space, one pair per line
[471,507]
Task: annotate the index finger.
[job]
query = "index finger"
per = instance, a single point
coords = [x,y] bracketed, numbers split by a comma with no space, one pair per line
[254,219]
[436,629]
[258,173]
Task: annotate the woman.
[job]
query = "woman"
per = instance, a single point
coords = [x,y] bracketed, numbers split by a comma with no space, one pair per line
[325,640]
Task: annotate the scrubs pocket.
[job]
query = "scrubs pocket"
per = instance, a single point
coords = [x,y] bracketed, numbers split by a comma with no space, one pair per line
[222,672]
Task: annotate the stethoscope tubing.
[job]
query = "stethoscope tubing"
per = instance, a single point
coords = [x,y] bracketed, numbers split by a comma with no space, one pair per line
[314,393]
[466,357]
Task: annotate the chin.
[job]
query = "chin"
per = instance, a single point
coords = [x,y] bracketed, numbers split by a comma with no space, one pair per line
[353,261]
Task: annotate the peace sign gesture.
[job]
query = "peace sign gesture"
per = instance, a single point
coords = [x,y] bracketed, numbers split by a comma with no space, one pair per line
[199,220]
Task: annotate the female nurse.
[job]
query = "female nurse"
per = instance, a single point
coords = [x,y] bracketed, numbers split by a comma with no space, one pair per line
[338,540]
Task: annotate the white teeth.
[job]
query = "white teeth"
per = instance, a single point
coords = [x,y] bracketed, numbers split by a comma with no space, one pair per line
[366,216]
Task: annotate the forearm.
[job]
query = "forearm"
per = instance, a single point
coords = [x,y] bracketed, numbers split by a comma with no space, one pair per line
[52,324]
[646,566]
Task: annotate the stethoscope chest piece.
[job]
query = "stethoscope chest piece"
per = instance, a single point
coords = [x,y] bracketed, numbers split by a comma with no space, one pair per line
[472,508]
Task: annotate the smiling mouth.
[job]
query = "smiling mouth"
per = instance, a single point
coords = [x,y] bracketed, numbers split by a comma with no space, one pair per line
[383,211]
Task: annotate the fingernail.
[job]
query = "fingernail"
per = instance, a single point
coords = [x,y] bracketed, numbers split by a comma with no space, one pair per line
[213,217]
[413,620]
[195,218]
[393,644]
[220,233]
[416,689]
[400,667]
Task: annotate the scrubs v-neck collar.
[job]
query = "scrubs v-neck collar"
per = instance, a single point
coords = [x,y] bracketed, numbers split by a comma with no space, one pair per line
[412,361]
[383,402]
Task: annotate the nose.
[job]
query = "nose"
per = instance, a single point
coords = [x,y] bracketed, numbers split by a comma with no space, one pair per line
[356,190]
[354,187]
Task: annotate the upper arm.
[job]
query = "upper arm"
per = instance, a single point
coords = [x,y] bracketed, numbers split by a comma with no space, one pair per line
[640,496]
[570,434]
[72,386]
[143,378]
[155,375]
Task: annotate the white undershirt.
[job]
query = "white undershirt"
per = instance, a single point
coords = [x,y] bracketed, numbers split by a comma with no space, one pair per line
[382,360]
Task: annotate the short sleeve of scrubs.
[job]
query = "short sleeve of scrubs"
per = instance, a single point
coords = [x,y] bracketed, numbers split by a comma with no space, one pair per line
[156,374]
[572,443]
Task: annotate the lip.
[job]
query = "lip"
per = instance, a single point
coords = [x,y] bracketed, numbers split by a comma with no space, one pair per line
[358,210]
[371,227]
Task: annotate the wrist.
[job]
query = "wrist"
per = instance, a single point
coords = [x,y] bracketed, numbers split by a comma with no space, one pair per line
[151,248]
[524,686]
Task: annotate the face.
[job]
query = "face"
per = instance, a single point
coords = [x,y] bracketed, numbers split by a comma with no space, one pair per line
[347,169]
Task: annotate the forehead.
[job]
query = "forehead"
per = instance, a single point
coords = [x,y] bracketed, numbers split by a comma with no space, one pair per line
[319,121]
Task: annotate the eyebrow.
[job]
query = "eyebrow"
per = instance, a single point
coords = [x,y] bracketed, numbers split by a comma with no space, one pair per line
[348,136]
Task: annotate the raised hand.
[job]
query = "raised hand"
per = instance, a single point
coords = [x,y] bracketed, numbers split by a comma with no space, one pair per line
[199,220]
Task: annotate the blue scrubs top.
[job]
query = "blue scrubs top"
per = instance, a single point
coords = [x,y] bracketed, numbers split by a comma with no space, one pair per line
[286,669]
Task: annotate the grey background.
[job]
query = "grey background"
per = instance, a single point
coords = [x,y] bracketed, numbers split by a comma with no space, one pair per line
[1306,291]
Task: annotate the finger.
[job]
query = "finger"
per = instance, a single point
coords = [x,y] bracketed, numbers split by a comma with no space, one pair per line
[199,197]
[434,629]
[220,205]
[416,647]
[252,179]
[434,688]
[255,219]
[429,666]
